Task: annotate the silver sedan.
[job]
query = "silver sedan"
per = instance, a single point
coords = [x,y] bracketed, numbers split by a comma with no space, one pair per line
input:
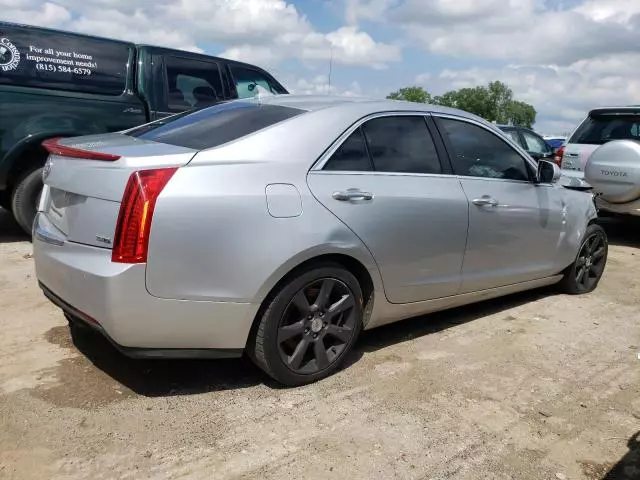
[282,227]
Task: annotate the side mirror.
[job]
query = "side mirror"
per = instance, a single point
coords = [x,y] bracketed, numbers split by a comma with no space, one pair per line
[548,172]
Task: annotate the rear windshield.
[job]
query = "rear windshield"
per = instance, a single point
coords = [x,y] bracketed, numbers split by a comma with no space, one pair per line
[213,126]
[599,129]
[43,59]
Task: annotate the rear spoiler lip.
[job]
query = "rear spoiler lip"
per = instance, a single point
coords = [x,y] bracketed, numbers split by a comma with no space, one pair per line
[52,145]
[635,110]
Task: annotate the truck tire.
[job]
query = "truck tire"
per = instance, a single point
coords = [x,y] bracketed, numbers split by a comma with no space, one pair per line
[25,198]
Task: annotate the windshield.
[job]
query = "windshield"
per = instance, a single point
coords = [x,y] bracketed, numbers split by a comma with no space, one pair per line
[599,129]
[212,126]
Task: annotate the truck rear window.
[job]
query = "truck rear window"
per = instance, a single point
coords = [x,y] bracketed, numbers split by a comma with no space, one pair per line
[599,129]
[213,126]
[47,59]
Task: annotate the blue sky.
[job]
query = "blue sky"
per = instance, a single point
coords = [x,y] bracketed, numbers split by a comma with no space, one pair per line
[562,56]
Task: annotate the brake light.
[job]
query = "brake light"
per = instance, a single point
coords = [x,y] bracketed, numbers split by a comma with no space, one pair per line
[53,146]
[558,156]
[131,241]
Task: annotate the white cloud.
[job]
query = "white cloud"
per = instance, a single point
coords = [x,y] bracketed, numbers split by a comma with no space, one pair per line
[512,29]
[258,31]
[561,95]
[319,85]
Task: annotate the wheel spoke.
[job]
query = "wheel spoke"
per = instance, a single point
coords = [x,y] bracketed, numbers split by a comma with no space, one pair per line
[598,254]
[341,333]
[320,352]
[580,262]
[340,306]
[581,275]
[323,295]
[289,331]
[295,360]
[301,303]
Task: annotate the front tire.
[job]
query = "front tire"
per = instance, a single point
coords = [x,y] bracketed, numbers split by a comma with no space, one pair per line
[25,198]
[309,326]
[584,274]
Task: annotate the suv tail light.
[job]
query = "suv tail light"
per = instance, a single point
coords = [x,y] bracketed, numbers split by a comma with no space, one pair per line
[558,156]
[52,146]
[131,241]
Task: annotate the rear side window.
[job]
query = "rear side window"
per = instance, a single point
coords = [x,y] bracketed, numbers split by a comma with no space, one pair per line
[214,126]
[192,83]
[43,59]
[401,144]
[351,156]
[599,129]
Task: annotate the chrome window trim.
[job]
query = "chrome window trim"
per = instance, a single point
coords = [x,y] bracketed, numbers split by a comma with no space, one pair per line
[324,158]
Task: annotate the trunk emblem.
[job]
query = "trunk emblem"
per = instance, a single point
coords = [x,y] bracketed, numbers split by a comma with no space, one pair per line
[104,239]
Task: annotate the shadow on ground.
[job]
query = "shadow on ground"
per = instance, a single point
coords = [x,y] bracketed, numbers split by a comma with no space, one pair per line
[9,230]
[622,231]
[628,468]
[155,378]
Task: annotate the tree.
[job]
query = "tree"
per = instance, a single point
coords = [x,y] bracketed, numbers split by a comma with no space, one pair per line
[493,102]
[411,94]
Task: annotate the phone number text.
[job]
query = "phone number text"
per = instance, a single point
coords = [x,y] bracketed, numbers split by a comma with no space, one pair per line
[47,67]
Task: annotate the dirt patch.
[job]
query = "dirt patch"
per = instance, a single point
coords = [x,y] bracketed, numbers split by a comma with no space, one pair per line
[532,386]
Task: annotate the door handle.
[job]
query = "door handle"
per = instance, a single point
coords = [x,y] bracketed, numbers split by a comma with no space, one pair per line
[486,200]
[352,194]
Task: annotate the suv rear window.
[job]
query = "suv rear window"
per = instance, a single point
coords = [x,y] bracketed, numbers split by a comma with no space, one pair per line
[214,126]
[46,59]
[601,128]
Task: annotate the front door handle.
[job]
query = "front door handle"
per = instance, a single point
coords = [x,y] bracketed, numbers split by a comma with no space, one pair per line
[485,200]
[352,194]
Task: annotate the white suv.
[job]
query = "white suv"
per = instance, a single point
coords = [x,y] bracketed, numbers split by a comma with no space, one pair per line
[604,151]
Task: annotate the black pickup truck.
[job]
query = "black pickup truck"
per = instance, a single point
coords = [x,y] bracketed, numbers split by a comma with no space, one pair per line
[61,84]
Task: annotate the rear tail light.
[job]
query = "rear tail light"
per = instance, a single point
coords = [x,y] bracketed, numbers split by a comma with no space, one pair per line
[53,146]
[558,156]
[131,241]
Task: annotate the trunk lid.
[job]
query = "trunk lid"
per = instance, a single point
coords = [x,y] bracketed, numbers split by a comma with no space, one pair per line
[82,196]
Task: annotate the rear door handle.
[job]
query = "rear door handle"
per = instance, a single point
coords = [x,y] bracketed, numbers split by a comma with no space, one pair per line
[352,194]
[485,200]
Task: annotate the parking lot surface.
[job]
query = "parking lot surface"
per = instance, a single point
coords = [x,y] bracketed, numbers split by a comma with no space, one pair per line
[532,386]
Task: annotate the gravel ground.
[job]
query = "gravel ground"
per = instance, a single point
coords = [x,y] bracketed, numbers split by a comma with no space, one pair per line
[532,386]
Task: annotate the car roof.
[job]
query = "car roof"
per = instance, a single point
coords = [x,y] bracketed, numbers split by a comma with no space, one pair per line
[360,105]
[625,108]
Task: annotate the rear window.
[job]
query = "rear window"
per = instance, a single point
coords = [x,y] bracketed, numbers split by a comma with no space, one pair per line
[214,126]
[599,129]
[44,59]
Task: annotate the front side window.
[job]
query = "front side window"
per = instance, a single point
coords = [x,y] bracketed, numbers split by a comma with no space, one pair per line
[248,80]
[513,135]
[535,144]
[192,83]
[476,152]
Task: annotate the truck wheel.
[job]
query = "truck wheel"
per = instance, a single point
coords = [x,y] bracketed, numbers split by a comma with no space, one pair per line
[25,198]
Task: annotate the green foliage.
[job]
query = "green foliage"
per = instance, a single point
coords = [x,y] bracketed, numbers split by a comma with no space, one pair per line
[411,94]
[493,102]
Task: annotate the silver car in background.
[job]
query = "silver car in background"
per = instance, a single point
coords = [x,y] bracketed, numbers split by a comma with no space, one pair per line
[283,227]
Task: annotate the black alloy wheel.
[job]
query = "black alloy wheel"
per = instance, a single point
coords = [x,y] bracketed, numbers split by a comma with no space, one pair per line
[585,273]
[317,326]
[309,326]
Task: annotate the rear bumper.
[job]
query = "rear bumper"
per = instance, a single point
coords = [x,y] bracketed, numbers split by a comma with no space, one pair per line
[113,299]
[631,208]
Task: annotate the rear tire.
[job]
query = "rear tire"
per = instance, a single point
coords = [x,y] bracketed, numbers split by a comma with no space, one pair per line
[25,198]
[309,326]
[584,274]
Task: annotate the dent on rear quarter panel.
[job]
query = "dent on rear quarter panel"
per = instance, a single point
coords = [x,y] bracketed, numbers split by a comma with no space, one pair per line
[213,237]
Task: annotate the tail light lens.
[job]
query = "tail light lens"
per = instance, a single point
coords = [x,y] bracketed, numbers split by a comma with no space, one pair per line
[52,146]
[131,241]
[558,156]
